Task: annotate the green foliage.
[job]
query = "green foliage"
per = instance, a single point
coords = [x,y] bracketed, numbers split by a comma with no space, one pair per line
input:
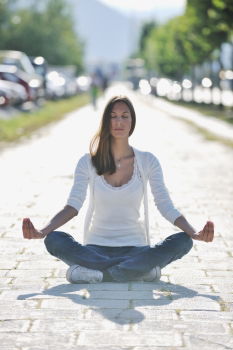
[164,50]
[172,49]
[45,29]
[145,32]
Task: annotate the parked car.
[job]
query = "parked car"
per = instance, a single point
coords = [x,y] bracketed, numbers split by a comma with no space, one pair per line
[31,84]
[60,84]
[21,70]
[41,67]
[12,93]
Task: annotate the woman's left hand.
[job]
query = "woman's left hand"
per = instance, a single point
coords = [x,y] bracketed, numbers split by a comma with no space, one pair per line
[205,235]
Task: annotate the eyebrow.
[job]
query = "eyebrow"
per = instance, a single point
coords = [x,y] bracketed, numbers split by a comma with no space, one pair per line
[123,112]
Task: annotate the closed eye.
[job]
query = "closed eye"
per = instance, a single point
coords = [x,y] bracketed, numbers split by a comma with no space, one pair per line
[124,116]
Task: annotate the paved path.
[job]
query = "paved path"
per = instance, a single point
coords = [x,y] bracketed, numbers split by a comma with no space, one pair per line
[191,308]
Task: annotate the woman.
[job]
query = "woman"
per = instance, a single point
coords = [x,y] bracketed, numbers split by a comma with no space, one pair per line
[116,244]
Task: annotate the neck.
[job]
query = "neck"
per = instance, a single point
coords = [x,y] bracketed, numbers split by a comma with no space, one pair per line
[120,149]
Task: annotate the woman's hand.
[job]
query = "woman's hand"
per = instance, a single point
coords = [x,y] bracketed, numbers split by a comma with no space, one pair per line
[29,231]
[205,235]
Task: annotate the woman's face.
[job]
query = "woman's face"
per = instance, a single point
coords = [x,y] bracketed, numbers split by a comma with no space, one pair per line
[120,120]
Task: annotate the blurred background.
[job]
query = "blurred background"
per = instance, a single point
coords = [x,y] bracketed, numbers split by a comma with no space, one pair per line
[174,49]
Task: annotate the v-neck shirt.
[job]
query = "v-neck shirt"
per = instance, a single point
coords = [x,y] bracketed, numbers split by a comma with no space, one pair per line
[116,218]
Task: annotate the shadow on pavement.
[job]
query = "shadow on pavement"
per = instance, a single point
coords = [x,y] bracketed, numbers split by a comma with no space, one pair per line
[162,293]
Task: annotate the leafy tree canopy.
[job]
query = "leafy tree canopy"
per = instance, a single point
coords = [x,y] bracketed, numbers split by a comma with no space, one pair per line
[184,41]
[44,29]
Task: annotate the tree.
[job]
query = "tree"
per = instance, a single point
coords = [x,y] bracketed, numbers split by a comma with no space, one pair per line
[145,32]
[5,17]
[172,49]
[45,29]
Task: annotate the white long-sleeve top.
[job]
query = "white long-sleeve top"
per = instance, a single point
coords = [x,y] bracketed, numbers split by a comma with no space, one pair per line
[127,230]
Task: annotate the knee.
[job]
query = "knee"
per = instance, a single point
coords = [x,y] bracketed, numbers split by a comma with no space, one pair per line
[186,242]
[53,239]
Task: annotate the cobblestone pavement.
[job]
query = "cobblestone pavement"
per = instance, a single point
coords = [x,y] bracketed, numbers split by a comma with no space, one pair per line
[190,308]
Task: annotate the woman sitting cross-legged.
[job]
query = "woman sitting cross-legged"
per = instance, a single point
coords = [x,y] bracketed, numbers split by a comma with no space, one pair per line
[116,244]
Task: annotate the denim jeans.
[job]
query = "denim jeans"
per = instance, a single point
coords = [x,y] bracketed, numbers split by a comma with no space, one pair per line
[118,263]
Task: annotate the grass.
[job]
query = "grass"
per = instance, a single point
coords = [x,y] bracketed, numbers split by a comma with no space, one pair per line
[208,135]
[24,124]
[224,113]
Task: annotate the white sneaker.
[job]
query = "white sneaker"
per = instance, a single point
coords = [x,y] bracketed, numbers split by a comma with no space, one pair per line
[80,274]
[153,275]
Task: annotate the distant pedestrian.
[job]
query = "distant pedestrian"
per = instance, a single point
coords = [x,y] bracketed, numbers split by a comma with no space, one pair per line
[94,89]
[116,244]
[105,82]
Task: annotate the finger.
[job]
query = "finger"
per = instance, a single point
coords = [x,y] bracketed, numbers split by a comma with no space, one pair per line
[25,228]
[31,229]
[208,231]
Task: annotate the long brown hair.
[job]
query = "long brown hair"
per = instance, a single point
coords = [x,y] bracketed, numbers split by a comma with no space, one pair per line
[100,146]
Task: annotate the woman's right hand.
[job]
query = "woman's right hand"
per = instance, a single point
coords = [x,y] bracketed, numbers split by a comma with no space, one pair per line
[29,231]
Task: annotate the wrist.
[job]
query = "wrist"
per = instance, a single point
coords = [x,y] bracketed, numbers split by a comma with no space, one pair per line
[44,232]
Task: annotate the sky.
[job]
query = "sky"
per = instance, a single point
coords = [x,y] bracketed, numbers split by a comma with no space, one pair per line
[142,6]
[111,28]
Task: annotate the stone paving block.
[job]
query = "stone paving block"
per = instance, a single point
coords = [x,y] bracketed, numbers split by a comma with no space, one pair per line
[42,314]
[189,327]
[221,265]
[39,265]
[160,348]
[105,286]
[4,282]
[181,272]
[222,288]
[11,249]
[80,347]
[7,265]
[3,273]
[227,281]
[26,339]
[18,304]
[37,258]
[21,282]
[206,342]
[220,273]
[14,325]
[36,274]
[21,294]
[180,304]
[134,315]
[206,316]
[217,248]
[211,258]
[191,280]
[71,293]
[31,286]
[126,295]
[228,297]
[129,338]
[182,290]
[71,325]
[76,302]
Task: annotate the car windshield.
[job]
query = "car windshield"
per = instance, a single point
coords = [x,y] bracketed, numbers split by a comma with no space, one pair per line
[22,63]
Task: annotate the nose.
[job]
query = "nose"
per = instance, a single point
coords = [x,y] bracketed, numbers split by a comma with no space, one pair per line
[118,119]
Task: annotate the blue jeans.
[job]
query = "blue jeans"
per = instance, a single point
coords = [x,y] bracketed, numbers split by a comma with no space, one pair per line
[118,263]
